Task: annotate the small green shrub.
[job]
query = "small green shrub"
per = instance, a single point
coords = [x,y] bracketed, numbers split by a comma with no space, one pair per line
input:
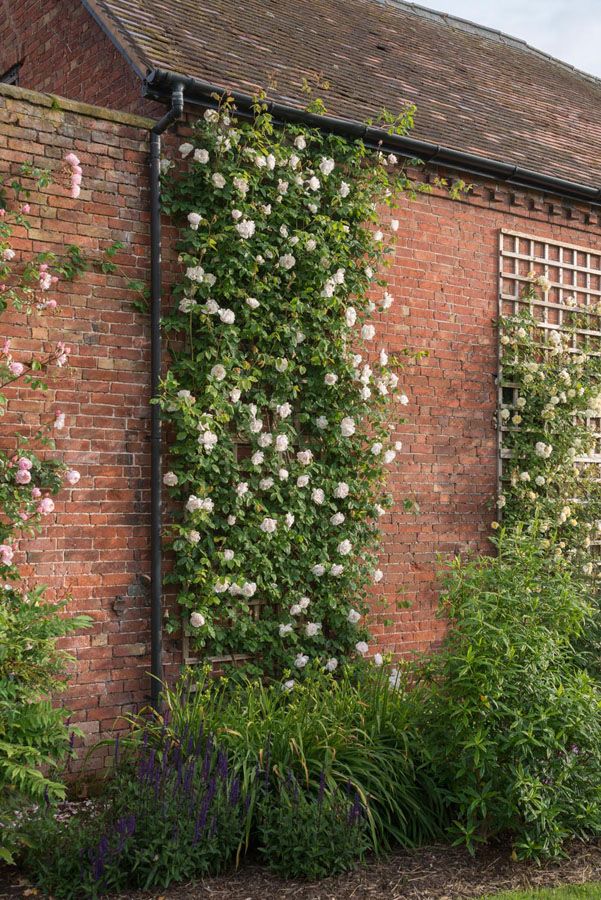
[305,836]
[512,720]
[167,816]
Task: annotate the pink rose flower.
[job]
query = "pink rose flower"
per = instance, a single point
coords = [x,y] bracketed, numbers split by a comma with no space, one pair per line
[75,191]
[26,208]
[22,476]
[46,506]
[71,159]
[36,493]
[6,554]
[16,368]
[25,463]
[72,477]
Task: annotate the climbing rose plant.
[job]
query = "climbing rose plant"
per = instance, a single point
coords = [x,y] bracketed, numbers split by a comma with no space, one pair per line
[281,397]
[556,387]
[33,732]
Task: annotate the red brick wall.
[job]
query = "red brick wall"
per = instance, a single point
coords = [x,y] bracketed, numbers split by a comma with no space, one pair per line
[63,51]
[444,279]
[95,546]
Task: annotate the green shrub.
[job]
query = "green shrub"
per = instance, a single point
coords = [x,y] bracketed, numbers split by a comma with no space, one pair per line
[353,728]
[167,816]
[33,732]
[512,720]
[305,836]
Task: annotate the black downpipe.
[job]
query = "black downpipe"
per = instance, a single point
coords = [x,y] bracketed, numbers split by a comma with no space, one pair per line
[156,542]
[159,83]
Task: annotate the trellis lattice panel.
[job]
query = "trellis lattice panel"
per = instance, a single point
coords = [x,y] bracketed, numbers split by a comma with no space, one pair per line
[571,304]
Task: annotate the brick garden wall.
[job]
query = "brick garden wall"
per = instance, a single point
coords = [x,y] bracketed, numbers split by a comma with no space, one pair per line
[444,279]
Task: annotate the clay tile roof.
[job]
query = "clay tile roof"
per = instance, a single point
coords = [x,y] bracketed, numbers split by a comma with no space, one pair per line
[476,89]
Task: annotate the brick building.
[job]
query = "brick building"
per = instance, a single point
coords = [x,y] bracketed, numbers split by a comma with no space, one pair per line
[519,126]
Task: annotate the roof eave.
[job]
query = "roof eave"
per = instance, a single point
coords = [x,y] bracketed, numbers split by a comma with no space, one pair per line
[159,85]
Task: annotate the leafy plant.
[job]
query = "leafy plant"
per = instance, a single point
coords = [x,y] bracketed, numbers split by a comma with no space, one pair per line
[512,719]
[305,836]
[283,418]
[170,814]
[356,729]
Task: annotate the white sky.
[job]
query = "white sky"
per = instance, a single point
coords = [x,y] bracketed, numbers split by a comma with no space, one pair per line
[567,29]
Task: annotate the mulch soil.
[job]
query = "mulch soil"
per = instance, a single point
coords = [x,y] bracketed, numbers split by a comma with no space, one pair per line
[430,873]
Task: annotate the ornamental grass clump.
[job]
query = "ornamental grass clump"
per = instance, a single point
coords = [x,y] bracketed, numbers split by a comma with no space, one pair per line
[312,836]
[511,716]
[171,813]
[283,403]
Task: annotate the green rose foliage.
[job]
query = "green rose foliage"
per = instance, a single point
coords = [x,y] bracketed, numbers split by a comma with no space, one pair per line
[551,487]
[280,253]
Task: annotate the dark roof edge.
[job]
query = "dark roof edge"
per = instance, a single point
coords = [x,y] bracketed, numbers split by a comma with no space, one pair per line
[159,84]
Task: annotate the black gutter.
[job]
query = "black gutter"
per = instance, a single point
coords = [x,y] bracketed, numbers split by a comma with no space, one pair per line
[156,548]
[159,84]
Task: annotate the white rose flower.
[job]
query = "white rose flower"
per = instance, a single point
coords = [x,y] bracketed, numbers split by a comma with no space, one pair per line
[326,165]
[283,474]
[241,185]
[186,149]
[305,457]
[378,659]
[265,440]
[383,358]
[242,488]
[337,518]
[312,628]
[218,180]
[268,525]
[344,189]
[228,555]
[301,661]
[266,484]
[336,570]
[281,364]
[341,490]
[378,576]
[347,426]
[302,481]
[368,332]
[252,302]
[193,536]
[295,610]
[376,448]
[289,520]
[300,142]
[318,570]
[361,647]
[318,496]
[330,378]
[231,520]
[218,372]
[170,479]
[314,183]
[344,547]
[403,399]
[227,316]
[378,236]
[257,458]
[186,304]
[311,245]
[235,395]
[288,685]
[201,156]
[321,422]
[221,587]
[389,456]
[287,261]
[245,228]
[387,301]
[195,273]
[394,225]
[285,629]
[249,588]
[350,316]
[353,616]
[197,620]
[332,664]
[283,410]
[194,219]
[281,443]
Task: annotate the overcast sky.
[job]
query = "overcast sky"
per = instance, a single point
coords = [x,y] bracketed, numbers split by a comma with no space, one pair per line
[567,29]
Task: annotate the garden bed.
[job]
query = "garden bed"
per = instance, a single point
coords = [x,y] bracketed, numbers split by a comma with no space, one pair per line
[431,873]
